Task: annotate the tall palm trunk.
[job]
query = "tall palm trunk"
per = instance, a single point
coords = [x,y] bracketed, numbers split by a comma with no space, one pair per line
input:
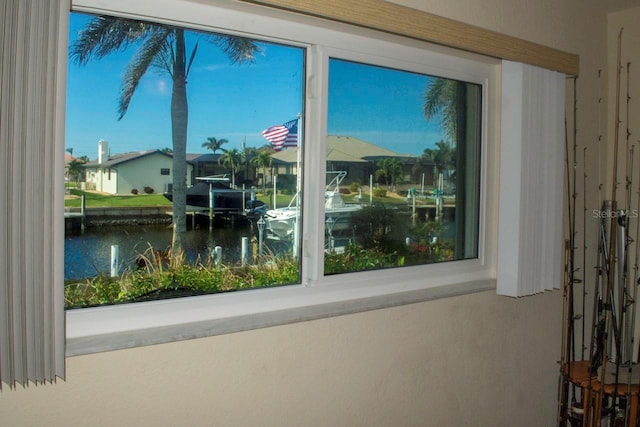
[179,121]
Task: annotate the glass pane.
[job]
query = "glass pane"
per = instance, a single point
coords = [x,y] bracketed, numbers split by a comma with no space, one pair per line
[168,126]
[403,156]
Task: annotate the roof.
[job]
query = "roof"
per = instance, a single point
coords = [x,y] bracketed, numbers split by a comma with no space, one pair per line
[344,149]
[203,158]
[117,159]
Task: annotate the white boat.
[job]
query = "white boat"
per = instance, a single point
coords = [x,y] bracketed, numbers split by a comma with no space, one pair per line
[280,222]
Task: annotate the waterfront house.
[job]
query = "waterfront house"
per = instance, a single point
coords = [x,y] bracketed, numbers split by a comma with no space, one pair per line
[355,156]
[140,171]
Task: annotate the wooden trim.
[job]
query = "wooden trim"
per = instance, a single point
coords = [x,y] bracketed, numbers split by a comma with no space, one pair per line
[400,20]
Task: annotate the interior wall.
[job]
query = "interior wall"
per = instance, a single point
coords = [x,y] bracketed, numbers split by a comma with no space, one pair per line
[451,362]
[477,360]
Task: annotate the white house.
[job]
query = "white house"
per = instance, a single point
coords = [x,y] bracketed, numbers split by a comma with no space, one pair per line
[124,173]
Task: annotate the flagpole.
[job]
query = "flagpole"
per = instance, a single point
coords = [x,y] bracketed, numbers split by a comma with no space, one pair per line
[296,230]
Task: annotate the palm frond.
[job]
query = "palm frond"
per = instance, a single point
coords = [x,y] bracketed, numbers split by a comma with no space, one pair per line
[238,49]
[440,100]
[164,60]
[106,34]
[153,47]
[193,56]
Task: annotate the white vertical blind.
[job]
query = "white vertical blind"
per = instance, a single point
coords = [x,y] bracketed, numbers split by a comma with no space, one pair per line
[530,242]
[33,39]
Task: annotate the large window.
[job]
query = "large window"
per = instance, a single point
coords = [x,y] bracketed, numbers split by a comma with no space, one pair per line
[136,84]
[309,157]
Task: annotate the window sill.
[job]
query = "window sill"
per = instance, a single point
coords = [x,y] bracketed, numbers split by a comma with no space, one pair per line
[110,328]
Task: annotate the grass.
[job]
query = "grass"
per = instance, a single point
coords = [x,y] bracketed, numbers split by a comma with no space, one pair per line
[96,200]
[156,279]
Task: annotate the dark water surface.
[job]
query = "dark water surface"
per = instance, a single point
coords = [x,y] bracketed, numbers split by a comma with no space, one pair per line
[89,253]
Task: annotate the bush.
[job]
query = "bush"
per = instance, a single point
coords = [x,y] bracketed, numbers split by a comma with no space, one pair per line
[148,190]
[155,280]
[380,192]
[354,187]
[134,191]
[344,191]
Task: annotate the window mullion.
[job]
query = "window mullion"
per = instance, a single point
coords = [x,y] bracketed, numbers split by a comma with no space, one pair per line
[314,164]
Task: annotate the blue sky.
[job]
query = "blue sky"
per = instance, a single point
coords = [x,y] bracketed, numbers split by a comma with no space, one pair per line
[237,102]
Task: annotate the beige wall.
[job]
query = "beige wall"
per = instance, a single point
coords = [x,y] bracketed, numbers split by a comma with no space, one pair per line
[475,360]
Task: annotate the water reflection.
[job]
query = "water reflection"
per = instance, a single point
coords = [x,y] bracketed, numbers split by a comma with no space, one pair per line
[89,254]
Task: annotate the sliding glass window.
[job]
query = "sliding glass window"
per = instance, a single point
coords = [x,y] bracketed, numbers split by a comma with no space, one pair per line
[402,168]
[216,114]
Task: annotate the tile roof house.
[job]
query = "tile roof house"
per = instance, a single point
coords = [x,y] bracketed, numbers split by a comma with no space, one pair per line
[355,156]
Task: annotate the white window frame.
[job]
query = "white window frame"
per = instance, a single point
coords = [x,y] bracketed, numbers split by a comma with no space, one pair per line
[122,326]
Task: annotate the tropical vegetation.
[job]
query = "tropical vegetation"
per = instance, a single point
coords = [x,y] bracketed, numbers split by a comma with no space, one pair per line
[75,169]
[390,169]
[262,160]
[233,159]
[214,144]
[155,278]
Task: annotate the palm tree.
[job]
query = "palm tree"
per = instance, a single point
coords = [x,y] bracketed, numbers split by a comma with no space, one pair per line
[214,144]
[75,169]
[442,157]
[232,158]
[441,98]
[164,48]
[262,160]
[391,169]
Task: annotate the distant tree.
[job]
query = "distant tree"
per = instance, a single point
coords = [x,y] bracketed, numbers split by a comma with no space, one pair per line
[248,154]
[214,144]
[70,151]
[263,160]
[75,169]
[443,157]
[390,169]
[167,150]
[233,159]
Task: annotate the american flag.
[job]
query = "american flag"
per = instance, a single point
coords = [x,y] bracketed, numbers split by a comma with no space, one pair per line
[281,136]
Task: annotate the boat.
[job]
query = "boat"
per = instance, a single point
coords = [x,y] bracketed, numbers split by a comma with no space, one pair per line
[280,222]
[216,191]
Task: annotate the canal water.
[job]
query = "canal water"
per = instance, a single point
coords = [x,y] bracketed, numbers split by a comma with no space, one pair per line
[88,254]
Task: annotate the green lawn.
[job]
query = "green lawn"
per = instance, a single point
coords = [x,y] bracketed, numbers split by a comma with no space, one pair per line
[94,200]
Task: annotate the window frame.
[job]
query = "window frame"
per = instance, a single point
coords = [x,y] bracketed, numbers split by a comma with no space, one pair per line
[114,327]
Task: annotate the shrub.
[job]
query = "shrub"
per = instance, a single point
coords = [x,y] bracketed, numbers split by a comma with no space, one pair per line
[134,191]
[344,191]
[380,192]
[156,279]
[148,190]
[354,187]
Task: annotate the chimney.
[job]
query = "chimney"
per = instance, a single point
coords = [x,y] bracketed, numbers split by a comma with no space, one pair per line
[103,151]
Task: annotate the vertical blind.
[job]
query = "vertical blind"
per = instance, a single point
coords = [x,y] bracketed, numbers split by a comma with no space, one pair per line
[531,180]
[33,39]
